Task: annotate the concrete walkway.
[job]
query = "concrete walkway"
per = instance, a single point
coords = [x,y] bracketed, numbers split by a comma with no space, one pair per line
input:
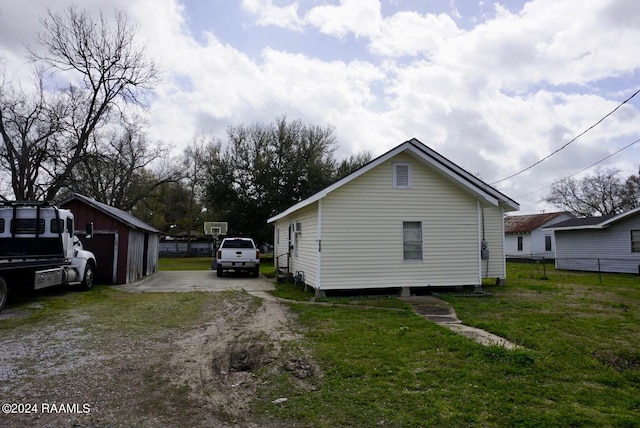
[442,313]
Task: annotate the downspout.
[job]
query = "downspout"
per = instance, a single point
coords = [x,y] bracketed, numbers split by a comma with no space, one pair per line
[319,259]
[478,245]
[504,259]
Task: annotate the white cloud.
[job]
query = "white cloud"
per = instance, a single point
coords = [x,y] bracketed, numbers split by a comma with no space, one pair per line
[270,14]
[493,98]
[361,18]
[409,33]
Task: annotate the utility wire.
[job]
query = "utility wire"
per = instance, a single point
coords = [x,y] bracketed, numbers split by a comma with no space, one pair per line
[583,169]
[572,140]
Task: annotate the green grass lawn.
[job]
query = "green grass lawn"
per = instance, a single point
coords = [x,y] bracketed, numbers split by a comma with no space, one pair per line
[204,263]
[579,366]
[386,366]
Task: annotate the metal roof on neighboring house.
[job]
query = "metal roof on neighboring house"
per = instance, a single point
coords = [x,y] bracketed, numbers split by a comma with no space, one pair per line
[529,222]
[120,215]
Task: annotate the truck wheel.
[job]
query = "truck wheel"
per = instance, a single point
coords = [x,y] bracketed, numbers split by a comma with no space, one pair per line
[3,293]
[219,271]
[87,281]
[256,272]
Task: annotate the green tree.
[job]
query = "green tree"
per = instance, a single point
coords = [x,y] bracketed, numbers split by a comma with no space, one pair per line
[265,168]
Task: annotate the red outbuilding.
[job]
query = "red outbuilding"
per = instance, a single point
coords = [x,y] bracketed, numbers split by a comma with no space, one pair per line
[126,248]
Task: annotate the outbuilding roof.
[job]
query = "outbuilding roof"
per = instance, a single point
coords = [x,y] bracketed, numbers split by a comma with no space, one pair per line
[601,222]
[116,213]
[428,156]
[529,222]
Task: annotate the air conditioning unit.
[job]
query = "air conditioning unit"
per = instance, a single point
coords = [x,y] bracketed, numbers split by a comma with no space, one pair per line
[296,227]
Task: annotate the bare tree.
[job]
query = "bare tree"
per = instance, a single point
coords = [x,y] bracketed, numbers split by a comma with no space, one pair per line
[594,195]
[30,125]
[117,167]
[107,70]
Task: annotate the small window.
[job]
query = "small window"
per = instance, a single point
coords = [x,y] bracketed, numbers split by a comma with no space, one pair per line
[635,241]
[70,226]
[412,240]
[519,243]
[547,243]
[27,226]
[402,175]
[1,225]
[57,226]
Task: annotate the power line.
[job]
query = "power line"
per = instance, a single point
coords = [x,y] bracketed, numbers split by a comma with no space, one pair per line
[572,140]
[583,169]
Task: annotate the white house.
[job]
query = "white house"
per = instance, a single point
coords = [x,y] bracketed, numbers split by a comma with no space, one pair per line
[608,243]
[409,218]
[526,236]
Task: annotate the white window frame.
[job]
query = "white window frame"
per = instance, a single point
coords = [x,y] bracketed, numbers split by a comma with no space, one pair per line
[396,165]
[405,242]
[635,240]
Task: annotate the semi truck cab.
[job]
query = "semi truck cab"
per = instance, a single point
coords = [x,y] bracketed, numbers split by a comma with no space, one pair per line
[39,249]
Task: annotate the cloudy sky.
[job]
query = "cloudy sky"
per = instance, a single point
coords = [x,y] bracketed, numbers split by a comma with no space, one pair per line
[493,86]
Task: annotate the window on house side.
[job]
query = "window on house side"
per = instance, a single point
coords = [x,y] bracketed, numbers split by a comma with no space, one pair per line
[519,243]
[402,175]
[635,241]
[547,243]
[412,240]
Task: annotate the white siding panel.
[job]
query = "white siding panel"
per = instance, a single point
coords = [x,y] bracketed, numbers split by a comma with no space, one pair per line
[362,231]
[281,242]
[511,245]
[581,249]
[307,255]
[306,259]
[494,267]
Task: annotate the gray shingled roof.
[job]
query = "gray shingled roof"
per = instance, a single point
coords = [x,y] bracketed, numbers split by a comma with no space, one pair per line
[594,222]
[585,221]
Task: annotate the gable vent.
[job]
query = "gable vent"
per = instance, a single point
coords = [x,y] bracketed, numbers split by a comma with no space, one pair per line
[402,175]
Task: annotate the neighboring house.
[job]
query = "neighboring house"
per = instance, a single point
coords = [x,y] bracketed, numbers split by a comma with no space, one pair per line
[126,248]
[409,218]
[526,237]
[609,243]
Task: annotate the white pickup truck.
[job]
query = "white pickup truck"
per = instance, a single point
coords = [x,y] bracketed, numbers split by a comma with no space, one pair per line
[238,254]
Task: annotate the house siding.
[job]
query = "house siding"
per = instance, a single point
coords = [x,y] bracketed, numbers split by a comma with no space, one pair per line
[304,257]
[511,245]
[362,231]
[494,266]
[533,243]
[581,249]
[281,243]
[538,241]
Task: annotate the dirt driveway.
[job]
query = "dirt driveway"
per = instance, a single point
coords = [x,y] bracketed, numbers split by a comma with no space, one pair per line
[90,367]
